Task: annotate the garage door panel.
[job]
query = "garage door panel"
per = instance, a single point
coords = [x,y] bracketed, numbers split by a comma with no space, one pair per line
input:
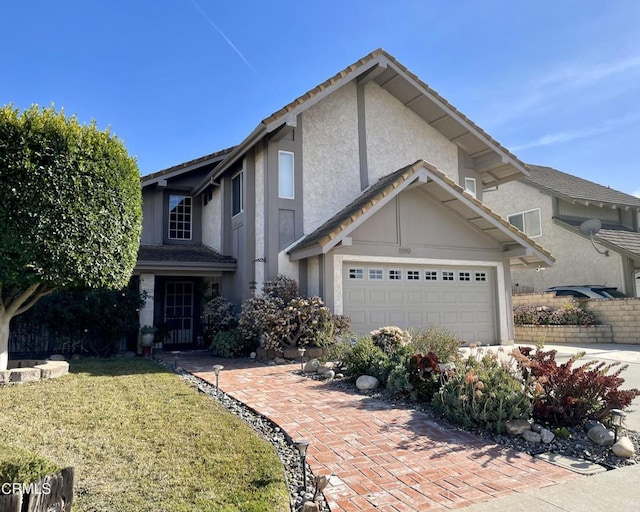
[465,307]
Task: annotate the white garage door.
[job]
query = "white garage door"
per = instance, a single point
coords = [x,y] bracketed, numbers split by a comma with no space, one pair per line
[460,299]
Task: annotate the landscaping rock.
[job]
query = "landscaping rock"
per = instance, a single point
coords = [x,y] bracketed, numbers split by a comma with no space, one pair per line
[367,383]
[280,360]
[517,426]
[536,427]
[340,376]
[57,357]
[531,437]
[624,448]
[600,435]
[311,366]
[547,436]
[324,368]
[310,506]
[329,375]
[589,424]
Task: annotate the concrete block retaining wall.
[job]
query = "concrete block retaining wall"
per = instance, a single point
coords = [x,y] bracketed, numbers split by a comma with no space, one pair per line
[621,315]
[564,333]
[25,370]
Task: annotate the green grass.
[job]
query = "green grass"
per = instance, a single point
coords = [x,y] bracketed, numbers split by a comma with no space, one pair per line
[142,439]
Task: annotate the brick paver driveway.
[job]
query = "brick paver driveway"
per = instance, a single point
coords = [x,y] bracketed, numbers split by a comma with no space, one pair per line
[382,457]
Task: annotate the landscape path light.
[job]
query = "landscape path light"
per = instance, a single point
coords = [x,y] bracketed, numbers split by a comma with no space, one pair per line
[301,352]
[175,359]
[217,368]
[302,445]
[617,420]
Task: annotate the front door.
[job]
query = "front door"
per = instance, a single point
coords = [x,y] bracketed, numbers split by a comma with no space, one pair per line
[178,313]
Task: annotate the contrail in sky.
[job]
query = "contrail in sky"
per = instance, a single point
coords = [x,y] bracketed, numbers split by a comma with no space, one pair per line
[223,35]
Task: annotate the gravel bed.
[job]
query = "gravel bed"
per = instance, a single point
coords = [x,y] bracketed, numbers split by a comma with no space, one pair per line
[283,444]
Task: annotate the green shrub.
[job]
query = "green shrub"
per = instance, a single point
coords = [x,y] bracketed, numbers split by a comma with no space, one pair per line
[389,338]
[219,315]
[482,394]
[230,343]
[363,358]
[442,343]
[21,466]
[568,395]
[282,287]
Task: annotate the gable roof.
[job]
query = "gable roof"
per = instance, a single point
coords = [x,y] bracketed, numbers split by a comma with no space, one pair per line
[444,189]
[177,170]
[494,163]
[573,188]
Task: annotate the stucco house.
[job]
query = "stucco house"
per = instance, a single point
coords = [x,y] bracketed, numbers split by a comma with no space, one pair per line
[549,206]
[367,190]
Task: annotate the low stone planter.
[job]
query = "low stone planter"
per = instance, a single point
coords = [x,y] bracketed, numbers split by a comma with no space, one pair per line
[564,333]
[32,370]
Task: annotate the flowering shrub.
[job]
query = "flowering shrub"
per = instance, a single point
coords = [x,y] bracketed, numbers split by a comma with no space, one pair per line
[571,314]
[390,337]
[483,393]
[568,395]
[284,319]
[443,343]
[425,376]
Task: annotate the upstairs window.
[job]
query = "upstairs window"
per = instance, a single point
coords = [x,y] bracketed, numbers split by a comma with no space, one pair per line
[237,194]
[470,186]
[285,175]
[528,222]
[180,216]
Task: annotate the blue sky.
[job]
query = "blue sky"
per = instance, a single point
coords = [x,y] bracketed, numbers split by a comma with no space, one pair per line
[555,81]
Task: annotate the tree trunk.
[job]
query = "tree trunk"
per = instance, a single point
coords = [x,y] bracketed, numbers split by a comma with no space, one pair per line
[4,341]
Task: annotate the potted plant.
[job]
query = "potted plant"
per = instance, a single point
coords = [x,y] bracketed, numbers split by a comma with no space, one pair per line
[148,333]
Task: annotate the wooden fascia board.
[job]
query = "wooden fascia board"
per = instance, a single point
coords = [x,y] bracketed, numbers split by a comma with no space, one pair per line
[467,125]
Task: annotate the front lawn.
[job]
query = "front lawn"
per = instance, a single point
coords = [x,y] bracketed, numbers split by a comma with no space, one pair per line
[141,439]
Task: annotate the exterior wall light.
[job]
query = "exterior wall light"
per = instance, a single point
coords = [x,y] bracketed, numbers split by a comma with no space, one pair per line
[617,420]
[217,368]
[301,352]
[302,445]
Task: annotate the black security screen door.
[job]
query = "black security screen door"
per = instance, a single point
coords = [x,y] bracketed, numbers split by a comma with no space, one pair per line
[178,312]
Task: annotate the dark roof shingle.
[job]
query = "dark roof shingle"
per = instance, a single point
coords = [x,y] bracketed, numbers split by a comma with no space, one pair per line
[182,253]
[577,188]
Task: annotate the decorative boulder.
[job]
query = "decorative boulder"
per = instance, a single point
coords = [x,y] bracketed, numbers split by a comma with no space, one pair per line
[517,426]
[311,366]
[280,360]
[547,436]
[329,375]
[589,424]
[367,383]
[600,435]
[531,436]
[624,448]
[324,368]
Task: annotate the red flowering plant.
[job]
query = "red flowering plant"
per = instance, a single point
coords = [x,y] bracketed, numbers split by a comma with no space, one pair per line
[568,394]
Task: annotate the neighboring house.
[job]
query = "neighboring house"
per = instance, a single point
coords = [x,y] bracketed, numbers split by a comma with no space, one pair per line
[367,190]
[549,206]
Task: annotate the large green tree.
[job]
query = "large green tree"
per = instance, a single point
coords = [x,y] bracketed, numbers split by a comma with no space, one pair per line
[70,210]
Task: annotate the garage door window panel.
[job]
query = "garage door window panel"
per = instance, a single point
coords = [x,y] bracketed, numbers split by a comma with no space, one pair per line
[356,273]
[448,275]
[395,275]
[376,274]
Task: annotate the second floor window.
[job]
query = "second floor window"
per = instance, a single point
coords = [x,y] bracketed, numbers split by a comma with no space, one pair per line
[237,194]
[180,217]
[528,222]
[470,186]
[285,175]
